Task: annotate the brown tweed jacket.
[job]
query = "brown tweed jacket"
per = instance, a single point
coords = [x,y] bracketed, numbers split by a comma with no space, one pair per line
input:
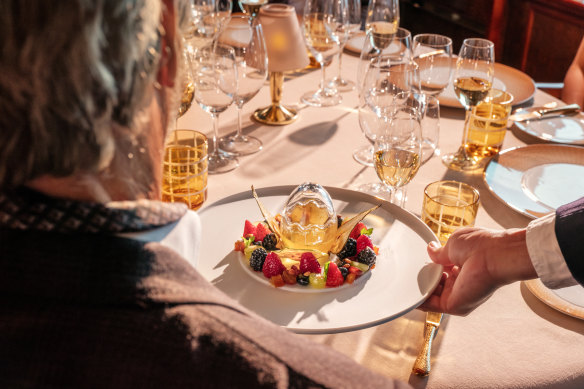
[83,310]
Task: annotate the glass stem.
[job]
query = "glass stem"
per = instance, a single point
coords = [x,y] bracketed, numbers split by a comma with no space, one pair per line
[339,78]
[239,124]
[462,150]
[322,82]
[215,133]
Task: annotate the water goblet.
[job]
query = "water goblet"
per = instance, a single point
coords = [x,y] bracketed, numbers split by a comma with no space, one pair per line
[348,30]
[433,54]
[247,39]
[215,75]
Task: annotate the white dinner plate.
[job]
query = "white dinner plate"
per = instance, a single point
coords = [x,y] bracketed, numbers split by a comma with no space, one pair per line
[535,180]
[566,300]
[564,129]
[509,79]
[402,279]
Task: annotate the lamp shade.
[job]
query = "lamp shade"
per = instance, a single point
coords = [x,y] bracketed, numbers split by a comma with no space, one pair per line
[286,49]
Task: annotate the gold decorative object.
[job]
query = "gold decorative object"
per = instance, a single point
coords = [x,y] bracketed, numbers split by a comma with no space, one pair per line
[286,51]
[422,364]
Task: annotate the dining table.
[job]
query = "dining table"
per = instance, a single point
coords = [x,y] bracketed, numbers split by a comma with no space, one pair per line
[513,340]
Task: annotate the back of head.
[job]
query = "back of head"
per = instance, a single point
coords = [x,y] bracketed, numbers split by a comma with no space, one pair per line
[74,78]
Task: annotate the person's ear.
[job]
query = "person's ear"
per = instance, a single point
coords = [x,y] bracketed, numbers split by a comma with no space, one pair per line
[168,65]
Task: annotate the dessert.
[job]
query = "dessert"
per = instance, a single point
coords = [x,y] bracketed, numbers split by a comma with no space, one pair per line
[308,244]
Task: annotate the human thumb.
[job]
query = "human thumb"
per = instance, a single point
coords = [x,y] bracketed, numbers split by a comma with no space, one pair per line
[438,254]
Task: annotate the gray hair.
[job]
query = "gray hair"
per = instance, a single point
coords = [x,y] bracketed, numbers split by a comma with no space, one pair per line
[71,72]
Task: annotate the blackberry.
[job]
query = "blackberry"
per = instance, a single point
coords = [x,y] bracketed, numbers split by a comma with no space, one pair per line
[339,221]
[349,250]
[367,256]
[344,271]
[256,261]
[301,279]
[270,241]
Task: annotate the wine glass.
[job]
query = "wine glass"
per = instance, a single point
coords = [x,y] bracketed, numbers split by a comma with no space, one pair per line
[387,76]
[382,22]
[208,17]
[321,25]
[433,54]
[353,24]
[252,7]
[188,84]
[473,78]
[251,59]
[215,75]
[398,150]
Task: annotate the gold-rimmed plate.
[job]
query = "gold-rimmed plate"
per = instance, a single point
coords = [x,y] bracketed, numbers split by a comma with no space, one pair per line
[566,300]
[535,180]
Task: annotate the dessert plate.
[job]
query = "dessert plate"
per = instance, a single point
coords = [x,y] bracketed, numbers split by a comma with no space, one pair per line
[564,129]
[536,179]
[567,300]
[402,279]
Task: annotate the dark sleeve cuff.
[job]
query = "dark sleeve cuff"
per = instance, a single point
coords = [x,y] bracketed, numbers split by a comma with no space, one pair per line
[570,234]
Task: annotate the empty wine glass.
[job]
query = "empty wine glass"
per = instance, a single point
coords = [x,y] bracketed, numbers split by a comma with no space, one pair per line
[473,78]
[251,58]
[208,17]
[433,54]
[349,29]
[398,150]
[215,75]
[321,25]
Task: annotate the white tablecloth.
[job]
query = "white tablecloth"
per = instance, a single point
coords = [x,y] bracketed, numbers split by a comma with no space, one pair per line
[512,341]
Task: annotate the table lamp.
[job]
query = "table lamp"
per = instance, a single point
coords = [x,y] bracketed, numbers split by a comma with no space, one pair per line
[286,51]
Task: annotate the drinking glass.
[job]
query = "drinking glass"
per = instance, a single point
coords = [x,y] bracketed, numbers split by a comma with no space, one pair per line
[387,76]
[252,7]
[398,150]
[382,22]
[473,78]
[433,54]
[353,16]
[184,172]
[215,74]
[188,84]
[247,39]
[321,25]
[448,206]
[208,17]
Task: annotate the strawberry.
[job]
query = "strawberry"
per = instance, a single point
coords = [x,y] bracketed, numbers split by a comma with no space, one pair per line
[362,242]
[334,276]
[273,266]
[261,231]
[249,229]
[357,230]
[308,263]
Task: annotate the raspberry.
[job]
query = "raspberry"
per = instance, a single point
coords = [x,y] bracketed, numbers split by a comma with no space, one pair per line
[334,276]
[249,229]
[261,232]
[367,256]
[357,230]
[273,266]
[308,263]
[258,256]
[349,250]
[362,242]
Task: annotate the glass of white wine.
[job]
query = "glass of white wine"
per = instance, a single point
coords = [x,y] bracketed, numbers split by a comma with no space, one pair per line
[398,151]
[382,22]
[473,78]
[252,7]
[348,30]
[188,83]
[322,23]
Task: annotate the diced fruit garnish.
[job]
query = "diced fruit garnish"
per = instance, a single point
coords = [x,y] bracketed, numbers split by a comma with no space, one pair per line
[361,266]
[334,276]
[344,271]
[357,230]
[316,280]
[289,276]
[257,259]
[350,278]
[349,250]
[270,241]
[239,246]
[277,281]
[376,250]
[362,242]
[308,263]
[272,265]
[248,250]
[355,271]
[261,232]
[249,229]
[367,256]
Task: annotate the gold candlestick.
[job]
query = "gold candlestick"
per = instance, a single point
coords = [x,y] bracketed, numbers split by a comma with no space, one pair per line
[275,114]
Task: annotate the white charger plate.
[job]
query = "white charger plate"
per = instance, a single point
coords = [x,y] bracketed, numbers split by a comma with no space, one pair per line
[566,300]
[536,179]
[402,279]
[564,129]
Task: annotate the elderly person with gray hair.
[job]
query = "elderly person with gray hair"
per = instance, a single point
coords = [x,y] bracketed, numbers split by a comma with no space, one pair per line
[96,288]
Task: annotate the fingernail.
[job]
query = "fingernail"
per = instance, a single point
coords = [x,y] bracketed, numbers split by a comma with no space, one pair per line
[434,245]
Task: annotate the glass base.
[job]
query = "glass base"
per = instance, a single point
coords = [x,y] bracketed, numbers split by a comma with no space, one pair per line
[240,145]
[364,155]
[377,189]
[428,151]
[460,161]
[322,98]
[341,84]
[221,162]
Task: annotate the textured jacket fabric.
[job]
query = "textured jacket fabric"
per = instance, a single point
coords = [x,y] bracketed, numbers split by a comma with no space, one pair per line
[570,234]
[91,310]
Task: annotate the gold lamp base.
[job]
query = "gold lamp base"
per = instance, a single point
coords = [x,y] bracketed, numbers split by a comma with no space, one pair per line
[276,114]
